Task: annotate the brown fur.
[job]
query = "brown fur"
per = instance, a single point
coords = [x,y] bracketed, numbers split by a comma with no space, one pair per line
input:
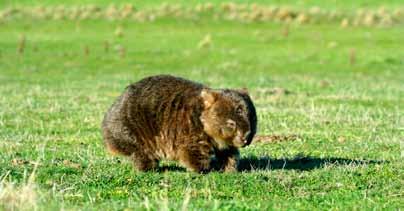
[166,117]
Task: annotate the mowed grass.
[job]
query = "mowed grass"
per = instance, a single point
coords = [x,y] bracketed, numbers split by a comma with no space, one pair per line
[343,107]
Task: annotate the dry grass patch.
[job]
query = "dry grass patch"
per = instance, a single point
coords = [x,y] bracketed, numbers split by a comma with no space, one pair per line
[18,197]
[274,138]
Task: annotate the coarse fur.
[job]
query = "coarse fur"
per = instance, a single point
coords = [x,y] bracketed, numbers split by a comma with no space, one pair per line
[167,117]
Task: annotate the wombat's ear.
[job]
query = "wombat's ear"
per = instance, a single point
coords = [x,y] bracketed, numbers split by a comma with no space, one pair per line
[209,97]
[243,91]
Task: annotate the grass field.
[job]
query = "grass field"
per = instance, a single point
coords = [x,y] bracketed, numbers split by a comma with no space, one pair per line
[333,96]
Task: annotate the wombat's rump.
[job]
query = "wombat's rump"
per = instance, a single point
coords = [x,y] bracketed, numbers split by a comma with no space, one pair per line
[166,117]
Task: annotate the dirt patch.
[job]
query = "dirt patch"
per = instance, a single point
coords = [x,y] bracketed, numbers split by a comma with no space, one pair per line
[274,138]
[274,91]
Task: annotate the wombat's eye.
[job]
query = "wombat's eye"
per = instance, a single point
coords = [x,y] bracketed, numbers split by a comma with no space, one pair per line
[239,110]
[231,124]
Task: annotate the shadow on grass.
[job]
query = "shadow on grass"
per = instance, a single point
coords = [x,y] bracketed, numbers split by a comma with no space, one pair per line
[170,168]
[300,163]
[307,163]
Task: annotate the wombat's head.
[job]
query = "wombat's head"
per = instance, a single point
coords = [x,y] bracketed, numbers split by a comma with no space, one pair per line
[228,117]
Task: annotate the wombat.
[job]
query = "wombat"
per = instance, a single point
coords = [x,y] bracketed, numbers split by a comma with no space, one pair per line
[167,117]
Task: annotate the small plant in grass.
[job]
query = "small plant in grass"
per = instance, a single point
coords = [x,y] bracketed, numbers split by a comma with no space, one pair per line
[345,23]
[352,56]
[86,50]
[369,19]
[285,31]
[21,44]
[206,42]
[120,50]
[119,31]
[106,46]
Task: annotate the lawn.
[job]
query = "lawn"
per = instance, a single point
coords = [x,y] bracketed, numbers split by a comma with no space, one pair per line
[329,101]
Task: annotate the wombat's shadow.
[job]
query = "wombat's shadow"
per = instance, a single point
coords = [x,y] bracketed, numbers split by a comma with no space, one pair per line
[306,163]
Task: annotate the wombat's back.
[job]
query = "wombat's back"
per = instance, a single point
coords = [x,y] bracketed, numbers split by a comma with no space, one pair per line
[154,112]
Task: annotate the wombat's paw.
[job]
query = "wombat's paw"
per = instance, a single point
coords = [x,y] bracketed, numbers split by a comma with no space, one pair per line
[230,168]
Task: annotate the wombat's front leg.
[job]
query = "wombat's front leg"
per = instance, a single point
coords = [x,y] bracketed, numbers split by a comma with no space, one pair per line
[195,158]
[227,159]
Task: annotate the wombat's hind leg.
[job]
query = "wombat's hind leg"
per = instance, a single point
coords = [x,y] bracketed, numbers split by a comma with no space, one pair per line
[117,146]
[112,149]
[143,162]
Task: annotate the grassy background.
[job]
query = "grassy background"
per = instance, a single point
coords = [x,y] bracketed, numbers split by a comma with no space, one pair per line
[348,117]
[327,4]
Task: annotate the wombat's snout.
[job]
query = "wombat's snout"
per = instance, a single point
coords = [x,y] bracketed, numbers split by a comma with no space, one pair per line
[245,138]
[241,139]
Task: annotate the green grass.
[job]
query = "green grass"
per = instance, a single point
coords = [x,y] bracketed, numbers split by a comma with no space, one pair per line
[348,117]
